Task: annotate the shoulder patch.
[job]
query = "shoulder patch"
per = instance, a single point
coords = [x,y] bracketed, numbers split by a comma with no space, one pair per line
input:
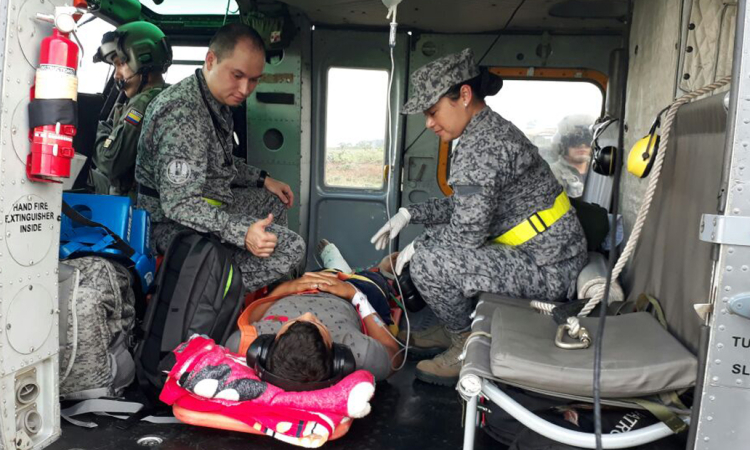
[133,117]
[178,172]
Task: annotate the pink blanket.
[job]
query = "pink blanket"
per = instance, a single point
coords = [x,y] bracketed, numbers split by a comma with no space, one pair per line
[209,378]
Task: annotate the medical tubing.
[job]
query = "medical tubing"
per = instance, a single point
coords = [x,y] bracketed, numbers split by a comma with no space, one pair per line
[391,164]
[651,191]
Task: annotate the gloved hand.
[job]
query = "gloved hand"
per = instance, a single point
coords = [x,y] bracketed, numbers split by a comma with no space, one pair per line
[404,257]
[391,229]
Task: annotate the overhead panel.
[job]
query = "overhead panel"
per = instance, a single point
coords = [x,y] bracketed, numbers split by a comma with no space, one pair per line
[465,16]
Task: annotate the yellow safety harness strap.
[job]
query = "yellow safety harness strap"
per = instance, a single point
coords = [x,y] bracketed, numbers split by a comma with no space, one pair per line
[213,202]
[538,223]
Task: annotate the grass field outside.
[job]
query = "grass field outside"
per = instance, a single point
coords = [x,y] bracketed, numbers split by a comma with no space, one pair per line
[358,167]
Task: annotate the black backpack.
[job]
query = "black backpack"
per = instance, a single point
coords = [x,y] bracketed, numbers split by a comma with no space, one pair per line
[198,291]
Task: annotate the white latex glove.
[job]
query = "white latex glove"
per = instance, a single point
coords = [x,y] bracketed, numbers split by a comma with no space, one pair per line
[391,229]
[404,257]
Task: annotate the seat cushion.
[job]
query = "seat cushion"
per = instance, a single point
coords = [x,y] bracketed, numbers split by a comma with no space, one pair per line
[639,357]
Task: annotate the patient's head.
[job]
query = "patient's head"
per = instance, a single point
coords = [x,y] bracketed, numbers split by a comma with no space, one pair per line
[302,351]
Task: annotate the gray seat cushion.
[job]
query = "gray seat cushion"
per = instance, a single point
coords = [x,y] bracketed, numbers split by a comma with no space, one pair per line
[639,357]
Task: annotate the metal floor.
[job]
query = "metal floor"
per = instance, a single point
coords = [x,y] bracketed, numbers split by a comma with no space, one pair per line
[406,414]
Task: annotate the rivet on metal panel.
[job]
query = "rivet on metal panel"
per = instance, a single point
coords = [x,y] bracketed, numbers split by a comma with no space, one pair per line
[722,328]
[730,268]
[727,288]
[730,250]
[706,439]
[738,381]
[736,211]
[745,268]
[713,397]
[717,362]
[720,345]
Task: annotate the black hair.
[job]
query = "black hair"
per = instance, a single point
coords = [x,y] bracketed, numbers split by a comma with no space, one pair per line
[301,354]
[483,85]
[225,39]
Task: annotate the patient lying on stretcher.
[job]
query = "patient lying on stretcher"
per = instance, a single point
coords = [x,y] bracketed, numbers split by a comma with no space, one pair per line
[307,316]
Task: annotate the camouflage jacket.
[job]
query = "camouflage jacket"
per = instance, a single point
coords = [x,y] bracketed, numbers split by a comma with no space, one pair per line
[569,177]
[117,144]
[499,180]
[180,155]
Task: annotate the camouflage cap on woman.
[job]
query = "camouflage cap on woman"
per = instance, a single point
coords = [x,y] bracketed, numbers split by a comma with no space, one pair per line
[432,81]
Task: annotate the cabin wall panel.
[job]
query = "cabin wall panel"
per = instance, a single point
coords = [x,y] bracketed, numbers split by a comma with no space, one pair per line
[289,163]
[653,55]
[29,242]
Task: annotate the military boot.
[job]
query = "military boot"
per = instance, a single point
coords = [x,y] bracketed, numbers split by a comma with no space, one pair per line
[426,343]
[444,368]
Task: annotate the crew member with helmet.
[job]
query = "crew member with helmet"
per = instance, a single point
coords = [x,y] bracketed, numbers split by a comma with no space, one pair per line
[140,53]
[572,143]
[507,229]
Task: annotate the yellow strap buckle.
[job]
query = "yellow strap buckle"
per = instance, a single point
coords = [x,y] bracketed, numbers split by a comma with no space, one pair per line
[537,223]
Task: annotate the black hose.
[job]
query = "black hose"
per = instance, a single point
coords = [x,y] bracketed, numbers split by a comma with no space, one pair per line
[613,247]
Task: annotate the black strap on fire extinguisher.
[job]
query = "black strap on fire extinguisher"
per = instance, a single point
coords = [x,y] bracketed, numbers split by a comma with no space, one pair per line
[44,111]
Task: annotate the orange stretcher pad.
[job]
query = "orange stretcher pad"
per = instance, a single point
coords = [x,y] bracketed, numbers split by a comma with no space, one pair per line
[213,387]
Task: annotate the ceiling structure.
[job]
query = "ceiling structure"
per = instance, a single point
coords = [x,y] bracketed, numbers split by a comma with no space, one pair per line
[473,16]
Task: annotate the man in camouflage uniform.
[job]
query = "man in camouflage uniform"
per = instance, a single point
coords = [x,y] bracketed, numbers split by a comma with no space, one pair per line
[140,54]
[573,144]
[188,177]
[491,235]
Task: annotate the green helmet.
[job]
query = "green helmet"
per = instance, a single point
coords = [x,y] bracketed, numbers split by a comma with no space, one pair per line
[141,45]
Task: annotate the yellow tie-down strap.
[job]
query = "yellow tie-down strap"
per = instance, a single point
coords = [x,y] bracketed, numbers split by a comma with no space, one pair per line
[536,224]
[213,202]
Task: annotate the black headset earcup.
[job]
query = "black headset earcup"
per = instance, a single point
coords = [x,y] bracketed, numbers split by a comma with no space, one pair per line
[343,362]
[605,160]
[258,351]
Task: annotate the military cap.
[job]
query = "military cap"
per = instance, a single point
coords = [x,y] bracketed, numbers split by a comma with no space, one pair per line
[432,81]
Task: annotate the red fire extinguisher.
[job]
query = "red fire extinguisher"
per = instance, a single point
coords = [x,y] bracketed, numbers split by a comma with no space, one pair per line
[53,112]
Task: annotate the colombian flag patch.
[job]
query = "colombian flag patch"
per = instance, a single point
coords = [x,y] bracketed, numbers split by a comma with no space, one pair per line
[133,117]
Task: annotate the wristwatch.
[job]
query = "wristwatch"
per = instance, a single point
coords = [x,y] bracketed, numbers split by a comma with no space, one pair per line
[261,179]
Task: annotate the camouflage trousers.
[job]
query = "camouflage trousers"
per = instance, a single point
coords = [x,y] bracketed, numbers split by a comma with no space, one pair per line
[448,278]
[251,204]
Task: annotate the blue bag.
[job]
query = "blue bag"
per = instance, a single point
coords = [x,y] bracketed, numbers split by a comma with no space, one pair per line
[109,226]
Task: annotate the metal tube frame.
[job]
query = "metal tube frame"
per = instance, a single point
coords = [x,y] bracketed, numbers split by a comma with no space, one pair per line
[627,439]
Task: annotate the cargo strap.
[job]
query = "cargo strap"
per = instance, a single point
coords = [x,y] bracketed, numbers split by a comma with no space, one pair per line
[150,192]
[113,408]
[536,224]
[112,239]
[663,413]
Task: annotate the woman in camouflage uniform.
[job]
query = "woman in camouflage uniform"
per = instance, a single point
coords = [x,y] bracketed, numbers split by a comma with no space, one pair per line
[508,228]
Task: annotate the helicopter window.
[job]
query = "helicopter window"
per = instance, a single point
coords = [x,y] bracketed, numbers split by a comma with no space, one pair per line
[355,128]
